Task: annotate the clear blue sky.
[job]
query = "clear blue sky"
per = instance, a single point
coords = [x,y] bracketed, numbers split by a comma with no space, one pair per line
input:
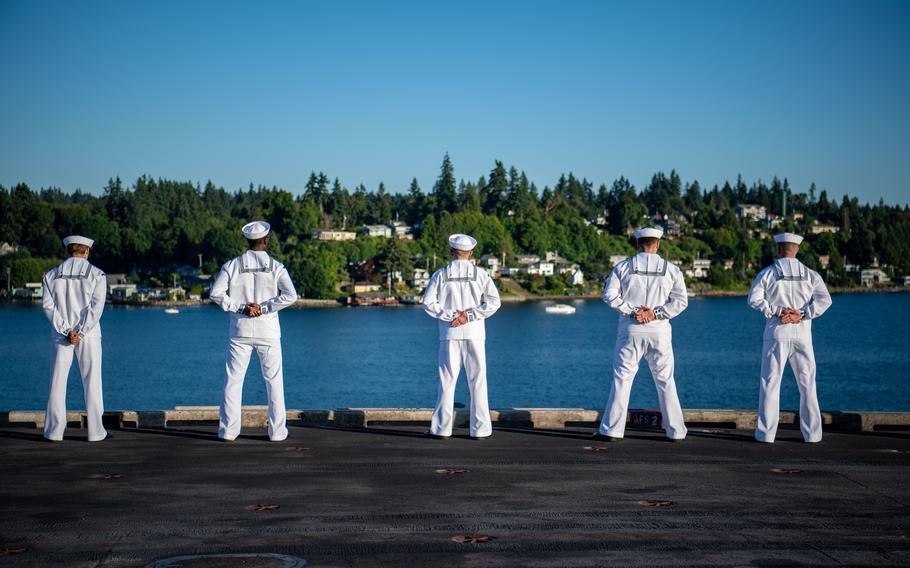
[266,92]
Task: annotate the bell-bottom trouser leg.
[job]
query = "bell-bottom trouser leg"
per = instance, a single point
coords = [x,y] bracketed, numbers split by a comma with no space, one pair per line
[454,354]
[658,350]
[800,354]
[237,360]
[88,356]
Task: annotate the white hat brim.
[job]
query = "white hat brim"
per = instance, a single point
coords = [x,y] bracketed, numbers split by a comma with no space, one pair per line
[462,242]
[78,240]
[647,233]
[256,230]
[788,238]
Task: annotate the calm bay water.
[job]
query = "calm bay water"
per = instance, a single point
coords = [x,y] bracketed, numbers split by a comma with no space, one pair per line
[387,357]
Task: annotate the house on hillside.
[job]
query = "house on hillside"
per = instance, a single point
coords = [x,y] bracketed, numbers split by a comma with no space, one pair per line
[401,230]
[383,231]
[576,278]
[818,228]
[333,235]
[491,262]
[870,277]
[751,211]
[420,278]
[699,268]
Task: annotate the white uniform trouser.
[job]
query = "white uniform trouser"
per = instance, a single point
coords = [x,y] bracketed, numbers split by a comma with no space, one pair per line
[238,358]
[88,355]
[658,349]
[453,354]
[775,354]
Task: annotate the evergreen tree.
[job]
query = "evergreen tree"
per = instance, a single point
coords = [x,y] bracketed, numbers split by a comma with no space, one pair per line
[444,191]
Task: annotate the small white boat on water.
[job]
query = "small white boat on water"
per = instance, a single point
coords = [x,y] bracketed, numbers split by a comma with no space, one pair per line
[560,309]
[171,311]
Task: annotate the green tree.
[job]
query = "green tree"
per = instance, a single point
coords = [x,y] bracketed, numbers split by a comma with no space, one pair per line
[444,191]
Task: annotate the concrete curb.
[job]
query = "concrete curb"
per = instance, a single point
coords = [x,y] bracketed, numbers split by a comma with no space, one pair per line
[537,418]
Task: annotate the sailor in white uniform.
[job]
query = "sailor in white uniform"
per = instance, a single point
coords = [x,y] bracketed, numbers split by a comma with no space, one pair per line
[790,296]
[253,287]
[74,295]
[461,296]
[647,291]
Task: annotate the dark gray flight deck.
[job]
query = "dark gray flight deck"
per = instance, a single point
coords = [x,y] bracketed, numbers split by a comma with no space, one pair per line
[374,497]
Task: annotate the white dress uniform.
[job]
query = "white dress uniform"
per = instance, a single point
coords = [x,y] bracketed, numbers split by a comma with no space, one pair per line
[253,277]
[788,283]
[74,296]
[644,280]
[461,286]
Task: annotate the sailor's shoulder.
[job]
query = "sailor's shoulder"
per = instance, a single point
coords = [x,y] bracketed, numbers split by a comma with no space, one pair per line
[813,275]
[766,271]
[623,265]
[236,261]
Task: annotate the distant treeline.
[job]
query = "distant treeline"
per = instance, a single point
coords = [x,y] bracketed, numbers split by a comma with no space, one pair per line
[157,224]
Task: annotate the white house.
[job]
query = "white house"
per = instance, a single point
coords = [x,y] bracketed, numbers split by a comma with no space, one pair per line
[400,230]
[699,269]
[576,278]
[332,235]
[6,248]
[509,272]
[817,228]
[376,231]
[491,262]
[750,211]
[541,268]
[527,259]
[872,276]
[566,268]
[420,278]
[122,292]
[32,290]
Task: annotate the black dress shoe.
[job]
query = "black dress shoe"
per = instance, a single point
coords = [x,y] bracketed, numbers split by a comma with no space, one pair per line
[604,437]
[481,437]
[433,436]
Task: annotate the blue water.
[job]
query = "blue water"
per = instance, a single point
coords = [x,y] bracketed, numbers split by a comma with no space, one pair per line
[387,357]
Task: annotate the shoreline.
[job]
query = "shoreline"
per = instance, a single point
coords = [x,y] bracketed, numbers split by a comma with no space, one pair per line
[705,294]
[303,303]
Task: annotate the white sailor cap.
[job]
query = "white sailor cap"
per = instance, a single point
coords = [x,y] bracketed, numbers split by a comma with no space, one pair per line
[256,230]
[78,240]
[788,238]
[648,232]
[462,242]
